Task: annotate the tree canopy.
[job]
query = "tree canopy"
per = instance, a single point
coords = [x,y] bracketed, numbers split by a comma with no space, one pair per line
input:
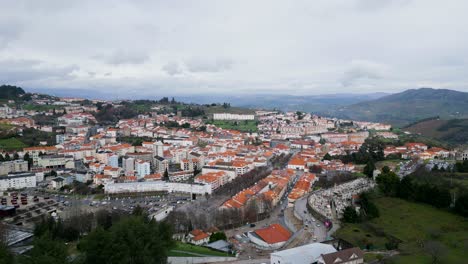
[131,240]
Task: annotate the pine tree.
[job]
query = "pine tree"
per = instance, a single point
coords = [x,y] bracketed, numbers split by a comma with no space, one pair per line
[369,169]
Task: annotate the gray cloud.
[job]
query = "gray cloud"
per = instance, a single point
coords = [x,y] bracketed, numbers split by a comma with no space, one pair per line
[9,31]
[32,70]
[206,65]
[372,5]
[172,68]
[119,57]
[301,46]
[363,70]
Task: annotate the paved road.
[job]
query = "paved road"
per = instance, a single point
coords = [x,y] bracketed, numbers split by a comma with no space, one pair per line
[320,232]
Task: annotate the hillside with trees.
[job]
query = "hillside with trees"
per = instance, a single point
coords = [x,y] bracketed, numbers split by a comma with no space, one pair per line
[411,105]
[453,131]
[10,92]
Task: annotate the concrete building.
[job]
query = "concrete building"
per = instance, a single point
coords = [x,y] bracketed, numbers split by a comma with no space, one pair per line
[158,149]
[17,181]
[57,183]
[161,164]
[142,168]
[462,154]
[56,162]
[231,172]
[113,160]
[13,166]
[186,165]
[179,176]
[156,186]
[215,179]
[128,165]
[301,255]
[228,116]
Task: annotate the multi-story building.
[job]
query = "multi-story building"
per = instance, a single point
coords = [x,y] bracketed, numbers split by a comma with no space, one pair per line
[161,164]
[56,162]
[142,168]
[128,165]
[13,166]
[215,179]
[178,176]
[186,164]
[113,160]
[228,116]
[156,186]
[17,181]
[158,149]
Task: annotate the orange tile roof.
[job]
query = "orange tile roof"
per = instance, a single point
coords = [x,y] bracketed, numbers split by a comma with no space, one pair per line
[154,176]
[200,237]
[196,232]
[273,234]
[40,148]
[297,161]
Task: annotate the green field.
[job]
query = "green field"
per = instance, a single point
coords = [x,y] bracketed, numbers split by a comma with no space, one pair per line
[40,108]
[413,224]
[245,126]
[11,144]
[231,110]
[185,250]
[4,126]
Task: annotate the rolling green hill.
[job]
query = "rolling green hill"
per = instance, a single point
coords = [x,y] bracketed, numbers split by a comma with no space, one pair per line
[409,106]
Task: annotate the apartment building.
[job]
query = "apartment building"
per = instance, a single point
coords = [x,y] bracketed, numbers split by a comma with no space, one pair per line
[13,167]
[142,168]
[17,181]
[228,116]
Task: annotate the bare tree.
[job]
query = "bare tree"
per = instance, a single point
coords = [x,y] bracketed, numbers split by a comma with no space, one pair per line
[435,249]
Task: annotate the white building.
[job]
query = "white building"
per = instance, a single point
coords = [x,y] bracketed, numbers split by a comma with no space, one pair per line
[13,166]
[17,181]
[158,149]
[128,165]
[228,116]
[113,161]
[142,168]
[301,255]
[156,186]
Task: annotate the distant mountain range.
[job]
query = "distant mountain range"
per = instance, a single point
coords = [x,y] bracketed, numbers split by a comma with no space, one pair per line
[398,109]
[307,103]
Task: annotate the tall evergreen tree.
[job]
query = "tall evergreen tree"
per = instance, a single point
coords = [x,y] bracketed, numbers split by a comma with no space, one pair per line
[166,175]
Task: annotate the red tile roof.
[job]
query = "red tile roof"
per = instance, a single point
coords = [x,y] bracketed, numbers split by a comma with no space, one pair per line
[273,234]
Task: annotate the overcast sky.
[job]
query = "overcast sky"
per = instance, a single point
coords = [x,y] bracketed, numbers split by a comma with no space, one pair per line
[187,47]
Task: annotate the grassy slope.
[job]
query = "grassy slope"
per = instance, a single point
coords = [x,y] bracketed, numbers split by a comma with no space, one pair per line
[412,223]
[194,249]
[246,126]
[33,107]
[11,144]
[232,110]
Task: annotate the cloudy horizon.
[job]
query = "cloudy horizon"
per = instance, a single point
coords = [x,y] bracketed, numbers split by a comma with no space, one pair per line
[234,47]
